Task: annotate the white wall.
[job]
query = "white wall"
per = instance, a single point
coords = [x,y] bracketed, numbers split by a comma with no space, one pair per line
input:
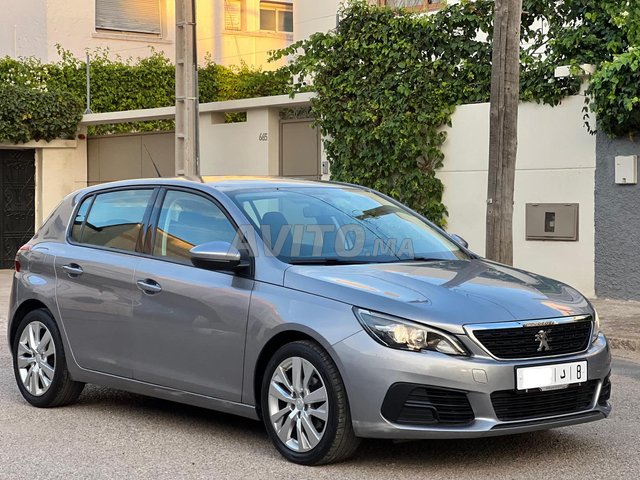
[311,16]
[34,27]
[240,148]
[23,28]
[556,164]
[61,168]
[71,23]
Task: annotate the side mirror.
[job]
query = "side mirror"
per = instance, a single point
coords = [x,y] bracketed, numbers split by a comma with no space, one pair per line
[216,256]
[460,240]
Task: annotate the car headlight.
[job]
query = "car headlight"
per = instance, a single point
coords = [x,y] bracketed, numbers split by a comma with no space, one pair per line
[404,335]
[596,326]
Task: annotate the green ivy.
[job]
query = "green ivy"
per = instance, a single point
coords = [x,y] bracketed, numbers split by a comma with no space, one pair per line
[614,92]
[35,114]
[389,80]
[615,95]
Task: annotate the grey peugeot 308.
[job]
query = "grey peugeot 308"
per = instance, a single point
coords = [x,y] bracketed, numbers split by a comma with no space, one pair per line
[329,311]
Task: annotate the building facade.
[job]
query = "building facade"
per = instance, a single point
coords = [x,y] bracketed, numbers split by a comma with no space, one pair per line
[230,32]
[311,16]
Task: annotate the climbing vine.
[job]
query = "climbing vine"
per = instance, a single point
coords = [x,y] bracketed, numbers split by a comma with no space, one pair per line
[32,114]
[388,80]
[119,84]
[614,91]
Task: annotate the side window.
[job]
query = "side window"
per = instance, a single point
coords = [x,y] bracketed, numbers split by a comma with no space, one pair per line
[276,16]
[81,216]
[115,219]
[187,220]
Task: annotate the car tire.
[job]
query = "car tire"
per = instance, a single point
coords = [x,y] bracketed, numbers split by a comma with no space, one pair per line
[54,388]
[337,438]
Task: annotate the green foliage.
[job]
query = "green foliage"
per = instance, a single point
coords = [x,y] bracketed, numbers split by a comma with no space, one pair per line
[614,91]
[217,83]
[36,114]
[386,83]
[584,31]
[632,20]
[230,83]
[388,80]
[615,94]
[119,84]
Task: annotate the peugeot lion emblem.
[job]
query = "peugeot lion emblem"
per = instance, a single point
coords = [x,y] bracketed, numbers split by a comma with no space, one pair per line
[543,338]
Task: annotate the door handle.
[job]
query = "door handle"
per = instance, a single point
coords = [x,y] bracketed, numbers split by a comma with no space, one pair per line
[149,286]
[73,270]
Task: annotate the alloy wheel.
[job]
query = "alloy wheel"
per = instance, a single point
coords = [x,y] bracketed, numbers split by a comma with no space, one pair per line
[298,404]
[36,358]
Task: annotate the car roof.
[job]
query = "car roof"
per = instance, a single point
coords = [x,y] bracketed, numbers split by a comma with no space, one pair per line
[253,182]
[225,183]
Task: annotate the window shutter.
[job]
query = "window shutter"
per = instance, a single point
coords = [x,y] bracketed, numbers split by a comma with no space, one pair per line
[233,15]
[140,16]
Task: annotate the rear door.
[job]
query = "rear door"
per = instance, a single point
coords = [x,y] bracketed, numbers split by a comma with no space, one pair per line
[190,323]
[95,288]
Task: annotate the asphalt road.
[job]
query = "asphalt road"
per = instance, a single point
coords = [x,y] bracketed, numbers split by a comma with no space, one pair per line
[112,434]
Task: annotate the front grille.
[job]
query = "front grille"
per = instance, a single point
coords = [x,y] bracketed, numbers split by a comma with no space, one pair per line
[411,404]
[511,405]
[524,342]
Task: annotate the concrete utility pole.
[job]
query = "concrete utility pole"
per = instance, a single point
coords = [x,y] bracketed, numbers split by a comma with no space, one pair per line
[503,137]
[187,138]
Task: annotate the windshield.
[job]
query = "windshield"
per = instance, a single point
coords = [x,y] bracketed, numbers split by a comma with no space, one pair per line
[341,225]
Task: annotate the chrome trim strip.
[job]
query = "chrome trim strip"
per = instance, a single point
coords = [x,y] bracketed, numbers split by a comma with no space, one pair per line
[471,328]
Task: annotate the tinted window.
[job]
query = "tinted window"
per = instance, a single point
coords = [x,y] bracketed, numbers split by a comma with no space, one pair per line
[115,219]
[323,224]
[81,216]
[187,220]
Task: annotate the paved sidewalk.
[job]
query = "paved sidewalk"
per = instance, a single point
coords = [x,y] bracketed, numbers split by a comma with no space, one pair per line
[620,319]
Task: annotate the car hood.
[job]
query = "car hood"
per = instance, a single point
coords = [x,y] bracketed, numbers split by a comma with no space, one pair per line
[445,294]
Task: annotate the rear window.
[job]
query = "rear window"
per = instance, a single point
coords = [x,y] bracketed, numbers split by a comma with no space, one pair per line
[114,219]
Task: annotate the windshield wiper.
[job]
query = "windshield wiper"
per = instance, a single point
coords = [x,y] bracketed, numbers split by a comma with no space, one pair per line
[378,212]
[421,259]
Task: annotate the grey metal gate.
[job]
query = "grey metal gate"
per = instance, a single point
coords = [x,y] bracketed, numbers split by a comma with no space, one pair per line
[299,149]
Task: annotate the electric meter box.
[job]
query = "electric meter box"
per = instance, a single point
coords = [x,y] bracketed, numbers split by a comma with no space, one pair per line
[552,221]
[627,170]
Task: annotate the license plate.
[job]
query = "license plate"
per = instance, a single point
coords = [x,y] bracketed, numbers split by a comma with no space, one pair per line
[551,375]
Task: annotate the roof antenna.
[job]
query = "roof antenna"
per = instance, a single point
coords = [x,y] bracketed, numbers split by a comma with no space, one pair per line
[154,163]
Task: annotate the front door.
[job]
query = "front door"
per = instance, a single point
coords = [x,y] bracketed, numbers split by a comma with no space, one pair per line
[190,323]
[17,202]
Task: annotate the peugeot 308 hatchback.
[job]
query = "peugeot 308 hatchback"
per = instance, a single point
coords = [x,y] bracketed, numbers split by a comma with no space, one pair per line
[329,311]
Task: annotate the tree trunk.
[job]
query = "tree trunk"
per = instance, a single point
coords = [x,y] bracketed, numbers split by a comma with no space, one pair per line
[503,141]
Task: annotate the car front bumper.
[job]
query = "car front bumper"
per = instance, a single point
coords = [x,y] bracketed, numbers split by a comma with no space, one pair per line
[369,370]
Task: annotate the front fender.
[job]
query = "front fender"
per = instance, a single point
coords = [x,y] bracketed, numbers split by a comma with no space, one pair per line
[276,310]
